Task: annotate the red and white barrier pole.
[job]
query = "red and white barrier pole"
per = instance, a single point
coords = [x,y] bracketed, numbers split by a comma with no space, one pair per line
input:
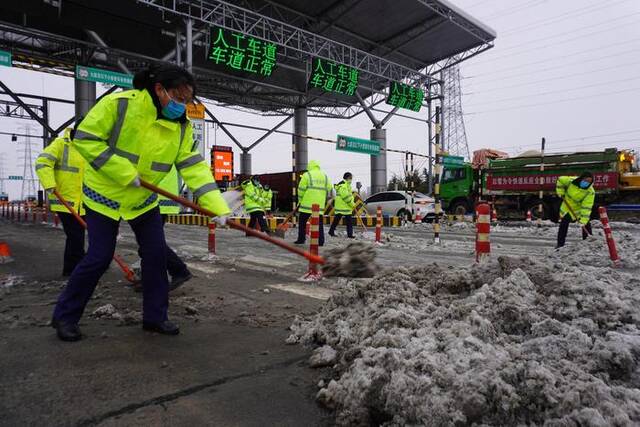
[45,210]
[529,215]
[34,215]
[26,212]
[211,242]
[313,273]
[12,212]
[494,214]
[613,252]
[379,225]
[56,220]
[483,227]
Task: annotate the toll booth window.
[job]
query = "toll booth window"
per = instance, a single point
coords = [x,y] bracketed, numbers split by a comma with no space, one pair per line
[453,175]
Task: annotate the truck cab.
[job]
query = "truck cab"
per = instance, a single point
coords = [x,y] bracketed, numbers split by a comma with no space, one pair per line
[457,188]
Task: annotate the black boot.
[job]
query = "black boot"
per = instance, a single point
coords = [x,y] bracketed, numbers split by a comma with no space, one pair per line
[67,331]
[165,328]
[177,281]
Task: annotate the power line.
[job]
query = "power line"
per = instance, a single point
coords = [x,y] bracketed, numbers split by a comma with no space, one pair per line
[561,77]
[563,16]
[556,41]
[521,146]
[553,92]
[590,96]
[593,49]
[515,9]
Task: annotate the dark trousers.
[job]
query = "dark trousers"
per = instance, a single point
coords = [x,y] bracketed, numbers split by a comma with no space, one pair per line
[102,244]
[564,228]
[74,245]
[175,266]
[302,228]
[348,221]
[259,218]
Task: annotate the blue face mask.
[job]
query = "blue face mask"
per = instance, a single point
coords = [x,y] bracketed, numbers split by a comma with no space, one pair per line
[584,184]
[173,110]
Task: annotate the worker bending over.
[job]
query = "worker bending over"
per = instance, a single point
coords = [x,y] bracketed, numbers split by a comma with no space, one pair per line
[344,204]
[60,167]
[128,136]
[577,202]
[254,203]
[313,190]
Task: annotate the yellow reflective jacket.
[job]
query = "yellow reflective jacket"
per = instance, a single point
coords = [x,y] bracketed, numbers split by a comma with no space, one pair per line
[267,198]
[171,183]
[344,203]
[580,200]
[313,188]
[122,137]
[61,167]
[253,201]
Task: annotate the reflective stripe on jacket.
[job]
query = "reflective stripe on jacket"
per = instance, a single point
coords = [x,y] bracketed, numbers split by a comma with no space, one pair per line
[267,198]
[61,167]
[122,137]
[580,200]
[344,203]
[252,198]
[313,188]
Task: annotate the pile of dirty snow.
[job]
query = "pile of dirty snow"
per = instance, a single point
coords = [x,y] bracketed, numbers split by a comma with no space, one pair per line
[513,341]
[356,259]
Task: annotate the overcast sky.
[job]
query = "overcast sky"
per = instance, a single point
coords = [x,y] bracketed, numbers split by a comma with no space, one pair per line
[567,70]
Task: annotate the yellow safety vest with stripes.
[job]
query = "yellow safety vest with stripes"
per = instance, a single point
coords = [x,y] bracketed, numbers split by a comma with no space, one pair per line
[313,188]
[171,183]
[344,198]
[580,200]
[267,199]
[61,167]
[122,137]
[253,201]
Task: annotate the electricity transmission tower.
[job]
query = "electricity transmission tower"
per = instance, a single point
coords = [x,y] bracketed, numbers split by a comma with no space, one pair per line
[29,181]
[455,134]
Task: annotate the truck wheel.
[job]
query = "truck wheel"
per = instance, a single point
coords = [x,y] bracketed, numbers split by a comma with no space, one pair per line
[546,211]
[459,207]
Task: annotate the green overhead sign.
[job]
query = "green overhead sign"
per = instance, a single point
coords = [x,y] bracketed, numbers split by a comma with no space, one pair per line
[333,77]
[5,58]
[453,161]
[15,178]
[103,76]
[240,52]
[405,96]
[357,145]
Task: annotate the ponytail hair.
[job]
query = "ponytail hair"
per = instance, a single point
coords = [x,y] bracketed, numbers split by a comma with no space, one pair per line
[168,75]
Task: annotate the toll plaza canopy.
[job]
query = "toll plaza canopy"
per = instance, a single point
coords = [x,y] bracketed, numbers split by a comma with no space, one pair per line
[262,55]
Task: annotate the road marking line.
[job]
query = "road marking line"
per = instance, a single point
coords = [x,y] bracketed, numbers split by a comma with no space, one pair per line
[266,261]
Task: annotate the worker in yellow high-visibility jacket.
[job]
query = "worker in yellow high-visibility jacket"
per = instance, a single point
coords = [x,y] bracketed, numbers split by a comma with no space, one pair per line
[578,196]
[313,189]
[128,136]
[61,167]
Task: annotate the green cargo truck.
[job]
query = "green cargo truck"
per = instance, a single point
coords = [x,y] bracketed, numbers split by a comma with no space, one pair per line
[513,184]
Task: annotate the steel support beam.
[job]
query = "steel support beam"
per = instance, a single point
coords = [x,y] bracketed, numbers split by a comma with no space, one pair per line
[379,162]
[25,107]
[85,95]
[300,128]
[223,128]
[96,38]
[245,163]
[273,129]
[188,33]
[367,110]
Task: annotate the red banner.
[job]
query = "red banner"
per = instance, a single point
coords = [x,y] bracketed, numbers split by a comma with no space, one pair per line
[602,180]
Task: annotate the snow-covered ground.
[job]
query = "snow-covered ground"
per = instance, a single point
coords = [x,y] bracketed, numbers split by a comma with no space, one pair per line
[550,337]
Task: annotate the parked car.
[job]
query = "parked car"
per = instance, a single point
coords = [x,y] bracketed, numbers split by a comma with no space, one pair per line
[398,203]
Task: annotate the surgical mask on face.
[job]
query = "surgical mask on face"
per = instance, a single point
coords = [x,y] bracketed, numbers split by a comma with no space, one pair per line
[173,109]
[584,184]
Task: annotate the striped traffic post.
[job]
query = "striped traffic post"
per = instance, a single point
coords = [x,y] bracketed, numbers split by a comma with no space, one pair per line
[56,220]
[26,212]
[12,211]
[34,215]
[45,210]
[529,215]
[613,252]
[379,225]
[483,227]
[313,273]
[211,242]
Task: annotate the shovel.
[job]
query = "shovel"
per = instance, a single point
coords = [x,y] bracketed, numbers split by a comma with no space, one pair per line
[311,257]
[128,272]
[282,228]
[564,200]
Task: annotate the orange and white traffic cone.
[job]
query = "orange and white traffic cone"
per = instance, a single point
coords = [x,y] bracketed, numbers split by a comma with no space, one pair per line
[494,214]
[529,215]
[5,253]
[418,218]
[314,274]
